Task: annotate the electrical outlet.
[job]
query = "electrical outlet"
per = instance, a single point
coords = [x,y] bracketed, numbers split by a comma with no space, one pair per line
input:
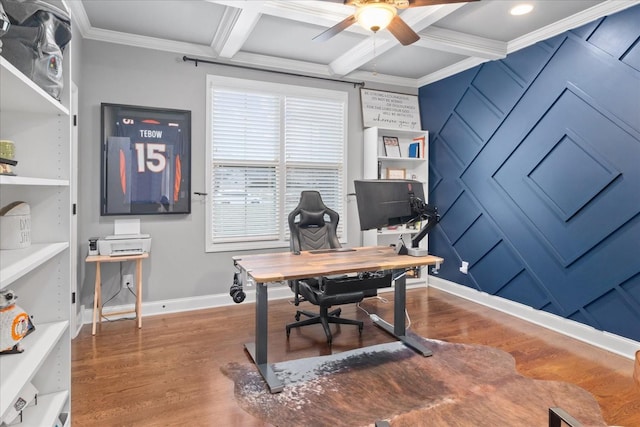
[464,268]
[127,281]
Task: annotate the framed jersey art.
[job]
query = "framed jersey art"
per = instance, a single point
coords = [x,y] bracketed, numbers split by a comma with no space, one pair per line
[145,161]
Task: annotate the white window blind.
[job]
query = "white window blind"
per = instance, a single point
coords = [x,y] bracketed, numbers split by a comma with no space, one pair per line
[266,144]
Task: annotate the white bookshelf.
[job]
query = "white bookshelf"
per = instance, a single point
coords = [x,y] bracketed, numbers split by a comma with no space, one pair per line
[17,262]
[377,165]
[40,275]
[46,412]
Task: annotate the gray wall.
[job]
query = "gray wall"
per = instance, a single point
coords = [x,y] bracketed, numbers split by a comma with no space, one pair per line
[178,267]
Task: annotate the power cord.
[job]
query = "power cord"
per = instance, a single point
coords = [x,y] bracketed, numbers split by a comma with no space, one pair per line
[112,297]
[374,317]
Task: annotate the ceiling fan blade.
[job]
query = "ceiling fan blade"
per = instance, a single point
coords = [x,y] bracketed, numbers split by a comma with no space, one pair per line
[418,3]
[327,34]
[402,31]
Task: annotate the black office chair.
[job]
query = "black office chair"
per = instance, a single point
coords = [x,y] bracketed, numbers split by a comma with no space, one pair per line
[310,231]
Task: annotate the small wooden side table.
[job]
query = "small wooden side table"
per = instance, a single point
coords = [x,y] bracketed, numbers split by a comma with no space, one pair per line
[97,299]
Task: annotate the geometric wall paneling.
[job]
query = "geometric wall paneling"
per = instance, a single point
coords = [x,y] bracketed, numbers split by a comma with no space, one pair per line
[500,86]
[525,64]
[525,290]
[537,162]
[632,289]
[625,320]
[632,56]
[443,97]
[438,243]
[490,278]
[443,180]
[580,316]
[624,27]
[586,30]
[563,177]
[459,217]
[479,239]
[478,113]
[571,175]
[460,138]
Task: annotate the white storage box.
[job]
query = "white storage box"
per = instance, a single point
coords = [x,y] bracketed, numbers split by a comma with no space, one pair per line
[15,226]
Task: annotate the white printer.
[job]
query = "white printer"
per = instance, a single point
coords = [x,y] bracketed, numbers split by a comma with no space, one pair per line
[124,244]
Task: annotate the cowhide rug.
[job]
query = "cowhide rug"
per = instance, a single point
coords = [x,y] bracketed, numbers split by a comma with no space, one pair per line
[460,385]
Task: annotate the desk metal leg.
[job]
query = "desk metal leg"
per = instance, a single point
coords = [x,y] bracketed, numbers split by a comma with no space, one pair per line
[258,351]
[96,299]
[398,330]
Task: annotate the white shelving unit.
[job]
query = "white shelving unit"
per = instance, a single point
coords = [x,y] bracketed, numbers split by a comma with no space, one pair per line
[40,275]
[377,165]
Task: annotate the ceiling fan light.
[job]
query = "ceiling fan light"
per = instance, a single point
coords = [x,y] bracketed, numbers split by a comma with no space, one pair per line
[375,16]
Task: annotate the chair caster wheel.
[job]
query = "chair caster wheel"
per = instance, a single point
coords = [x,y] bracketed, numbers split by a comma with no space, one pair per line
[288,332]
[297,317]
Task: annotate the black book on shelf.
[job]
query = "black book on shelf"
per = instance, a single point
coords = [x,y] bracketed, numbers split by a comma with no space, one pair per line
[8,161]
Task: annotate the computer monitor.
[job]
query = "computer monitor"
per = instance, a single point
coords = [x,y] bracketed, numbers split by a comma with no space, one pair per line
[391,202]
[386,202]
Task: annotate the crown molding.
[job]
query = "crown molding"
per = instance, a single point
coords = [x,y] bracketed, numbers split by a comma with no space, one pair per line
[149,42]
[449,71]
[369,77]
[79,17]
[596,12]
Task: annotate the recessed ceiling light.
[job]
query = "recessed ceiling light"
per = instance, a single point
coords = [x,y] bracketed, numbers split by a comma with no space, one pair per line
[521,9]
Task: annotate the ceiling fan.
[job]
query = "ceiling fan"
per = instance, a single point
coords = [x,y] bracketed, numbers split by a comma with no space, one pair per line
[376,15]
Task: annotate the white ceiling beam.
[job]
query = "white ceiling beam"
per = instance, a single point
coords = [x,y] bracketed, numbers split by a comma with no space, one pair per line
[238,21]
[311,12]
[417,18]
[360,54]
[437,38]
[324,14]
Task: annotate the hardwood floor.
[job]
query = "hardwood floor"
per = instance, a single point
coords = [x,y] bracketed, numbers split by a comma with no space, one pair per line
[168,372]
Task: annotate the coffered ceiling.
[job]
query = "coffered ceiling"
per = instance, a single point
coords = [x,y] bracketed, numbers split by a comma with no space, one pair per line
[278,35]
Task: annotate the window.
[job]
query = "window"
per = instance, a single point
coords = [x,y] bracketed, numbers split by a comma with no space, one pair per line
[266,143]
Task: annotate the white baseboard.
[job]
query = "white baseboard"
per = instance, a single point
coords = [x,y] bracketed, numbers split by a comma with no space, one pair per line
[206,301]
[187,304]
[614,343]
[79,321]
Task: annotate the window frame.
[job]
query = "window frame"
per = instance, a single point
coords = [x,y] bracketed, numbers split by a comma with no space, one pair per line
[282,90]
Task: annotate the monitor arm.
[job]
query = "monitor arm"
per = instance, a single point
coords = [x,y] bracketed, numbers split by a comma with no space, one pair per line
[423,211]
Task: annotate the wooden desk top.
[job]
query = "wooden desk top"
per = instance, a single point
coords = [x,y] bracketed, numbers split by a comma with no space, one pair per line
[274,267]
[107,258]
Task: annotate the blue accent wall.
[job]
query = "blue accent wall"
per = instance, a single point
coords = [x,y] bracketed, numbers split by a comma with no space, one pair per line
[535,169]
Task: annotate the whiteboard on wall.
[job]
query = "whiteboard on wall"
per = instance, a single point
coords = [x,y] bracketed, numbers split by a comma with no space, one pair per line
[390,110]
